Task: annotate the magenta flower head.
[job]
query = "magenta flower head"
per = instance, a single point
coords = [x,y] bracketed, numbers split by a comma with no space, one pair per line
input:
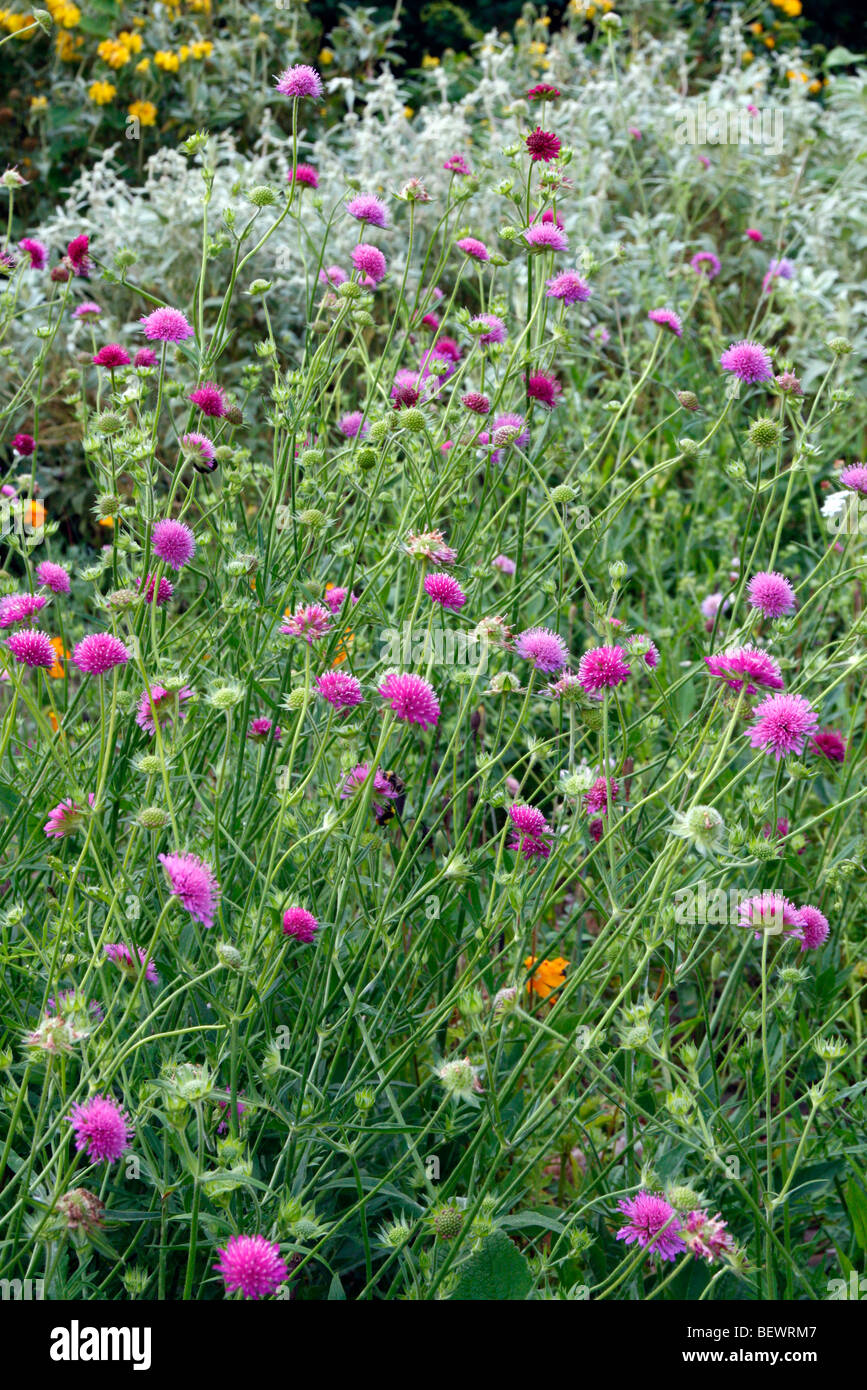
[173,542]
[339,689]
[430,545]
[209,398]
[707,264]
[311,621]
[381,785]
[262,729]
[162,707]
[300,923]
[193,882]
[145,357]
[299,81]
[65,818]
[652,1224]
[532,836]
[738,665]
[472,247]
[411,698]
[353,424]
[101,1128]
[568,286]
[163,591]
[545,236]
[23,444]
[542,145]
[36,250]
[783,723]
[545,649]
[667,318]
[494,330]
[121,956]
[369,260]
[200,449]
[456,164]
[854,475]
[77,254]
[19,608]
[504,564]
[111,356]
[754,234]
[166,326]
[771,913]
[336,597]
[475,401]
[771,593]
[88,311]
[32,648]
[99,652]
[706,1236]
[596,799]
[305,175]
[445,591]
[365,208]
[544,389]
[251,1265]
[333,275]
[830,744]
[603,668]
[53,577]
[815,930]
[749,362]
[640,647]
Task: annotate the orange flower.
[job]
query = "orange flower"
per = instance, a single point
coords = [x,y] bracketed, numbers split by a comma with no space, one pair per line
[548,977]
[53,717]
[33,514]
[106,521]
[57,671]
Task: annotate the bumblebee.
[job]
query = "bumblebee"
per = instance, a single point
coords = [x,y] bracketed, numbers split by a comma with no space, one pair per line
[395,803]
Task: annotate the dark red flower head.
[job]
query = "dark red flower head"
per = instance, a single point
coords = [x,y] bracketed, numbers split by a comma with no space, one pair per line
[542,145]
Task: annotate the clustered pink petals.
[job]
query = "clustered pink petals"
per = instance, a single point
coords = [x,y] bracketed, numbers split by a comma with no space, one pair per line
[653,1224]
[262,729]
[341,690]
[596,799]
[545,649]
[445,591]
[336,597]
[854,476]
[53,577]
[830,744]
[411,698]
[77,254]
[706,263]
[37,251]
[545,236]
[359,775]
[783,723]
[19,608]
[568,286]
[112,356]
[542,145]
[192,881]
[99,652]
[772,594]
[299,81]
[430,545]
[32,648]
[770,912]
[300,923]
[166,326]
[495,329]
[532,836]
[163,590]
[201,449]
[667,318]
[210,399]
[364,207]
[706,1236]
[65,818]
[173,542]
[121,956]
[815,930]
[747,664]
[369,260]
[544,389]
[472,247]
[163,707]
[748,361]
[603,668]
[102,1129]
[252,1266]
[310,621]
[305,175]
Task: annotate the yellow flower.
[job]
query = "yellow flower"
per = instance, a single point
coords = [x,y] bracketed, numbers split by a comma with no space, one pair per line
[202,48]
[428,61]
[101,92]
[756,29]
[548,976]
[113,52]
[748,55]
[169,62]
[769,41]
[408,112]
[40,103]
[326,57]
[144,111]
[202,6]
[68,46]
[143,65]
[184,52]
[132,41]
[815,86]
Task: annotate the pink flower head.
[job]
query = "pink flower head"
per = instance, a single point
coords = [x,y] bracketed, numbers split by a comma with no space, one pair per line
[476,250]
[707,264]
[754,234]
[111,356]
[193,882]
[381,785]
[369,260]
[145,357]
[99,652]
[456,164]
[333,275]
[634,132]
[596,800]
[209,398]
[88,311]
[543,91]
[310,621]
[532,832]
[300,923]
[789,383]
[251,1264]
[405,392]
[65,818]
[777,270]
[336,597]
[353,424]
[476,402]
[201,450]
[365,208]
[299,81]
[545,236]
[121,956]
[508,428]
[815,929]
[23,444]
[652,1224]
[783,723]
[18,608]
[53,577]
[667,318]
[542,145]
[174,543]
[603,668]
[36,250]
[341,690]
[430,545]
[163,707]
[568,286]
[706,1236]
[102,1129]
[261,730]
[854,475]
[163,591]
[166,326]
[32,648]
[771,593]
[641,647]
[77,254]
[495,329]
[769,912]
[411,698]
[749,362]
[544,389]
[737,665]
[545,649]
[444,590]
[303,174]
[549,215]
[504,564]
[831,745]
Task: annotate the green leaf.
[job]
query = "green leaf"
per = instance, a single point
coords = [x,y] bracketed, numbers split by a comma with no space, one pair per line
[9,799]
[495,1272]
[856,1201]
